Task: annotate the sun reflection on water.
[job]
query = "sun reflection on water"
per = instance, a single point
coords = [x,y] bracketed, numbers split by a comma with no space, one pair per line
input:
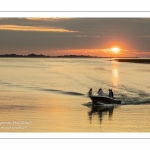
[115,73]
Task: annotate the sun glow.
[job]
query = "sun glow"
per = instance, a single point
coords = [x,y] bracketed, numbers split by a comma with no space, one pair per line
[115,49]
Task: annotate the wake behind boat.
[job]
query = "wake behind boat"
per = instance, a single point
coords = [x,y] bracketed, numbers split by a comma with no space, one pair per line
[97,99]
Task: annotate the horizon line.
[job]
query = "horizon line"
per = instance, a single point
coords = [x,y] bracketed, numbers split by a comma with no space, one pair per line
[69,55]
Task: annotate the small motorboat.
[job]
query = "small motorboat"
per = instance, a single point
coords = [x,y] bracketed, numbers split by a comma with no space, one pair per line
[97,99]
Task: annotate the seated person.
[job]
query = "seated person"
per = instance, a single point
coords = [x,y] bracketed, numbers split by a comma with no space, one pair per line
[100,92]
[90,92]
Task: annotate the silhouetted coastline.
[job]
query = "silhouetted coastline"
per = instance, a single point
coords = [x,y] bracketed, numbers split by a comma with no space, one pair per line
[47,56]
[145,61]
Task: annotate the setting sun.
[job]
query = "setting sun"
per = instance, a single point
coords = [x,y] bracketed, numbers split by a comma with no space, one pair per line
[115,49]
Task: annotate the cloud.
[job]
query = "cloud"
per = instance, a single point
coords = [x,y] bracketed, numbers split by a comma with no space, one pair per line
[88,50]
[145,36]
[33,28]
[86,36]
[140,52]
[41,19]
[46,19]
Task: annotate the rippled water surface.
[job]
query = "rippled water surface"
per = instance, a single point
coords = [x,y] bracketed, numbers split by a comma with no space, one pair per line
[50,95]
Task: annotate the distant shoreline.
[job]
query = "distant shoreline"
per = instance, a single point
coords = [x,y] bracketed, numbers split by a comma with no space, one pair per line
[144,61]
[60,56]
[45,56]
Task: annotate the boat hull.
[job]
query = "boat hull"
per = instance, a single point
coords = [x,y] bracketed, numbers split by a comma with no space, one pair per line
[104,100]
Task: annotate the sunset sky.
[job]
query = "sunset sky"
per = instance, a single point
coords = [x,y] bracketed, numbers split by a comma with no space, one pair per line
[106,37]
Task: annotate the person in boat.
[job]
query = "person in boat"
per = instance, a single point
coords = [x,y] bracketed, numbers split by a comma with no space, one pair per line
[111,94]
[100,92]
[90,92]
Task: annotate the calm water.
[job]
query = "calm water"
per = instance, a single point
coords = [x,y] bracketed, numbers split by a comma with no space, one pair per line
[49,95]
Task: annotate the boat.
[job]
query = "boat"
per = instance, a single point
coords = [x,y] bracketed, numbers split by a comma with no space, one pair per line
[97,99]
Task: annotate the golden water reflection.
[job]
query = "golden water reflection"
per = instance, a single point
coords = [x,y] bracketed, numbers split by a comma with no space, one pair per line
[115,73]
[100,111]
